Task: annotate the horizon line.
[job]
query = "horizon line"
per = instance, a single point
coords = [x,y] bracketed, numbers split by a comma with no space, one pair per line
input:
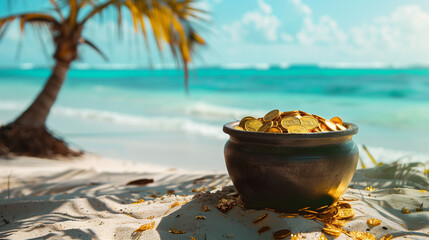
[231,66]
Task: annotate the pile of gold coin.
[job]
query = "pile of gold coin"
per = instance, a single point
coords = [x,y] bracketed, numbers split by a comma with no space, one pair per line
[290,122]
[333,218]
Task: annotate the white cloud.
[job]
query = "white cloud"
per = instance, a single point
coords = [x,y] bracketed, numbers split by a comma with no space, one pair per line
[266,8]
[326,31]
[260,21]
[267,24]
[405,28]
[400,36]
[234,31]
[304,8]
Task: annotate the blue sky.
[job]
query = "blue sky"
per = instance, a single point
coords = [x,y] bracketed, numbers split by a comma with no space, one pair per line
[261,32]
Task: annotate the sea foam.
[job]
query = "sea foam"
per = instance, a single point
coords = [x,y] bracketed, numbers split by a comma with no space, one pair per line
[207,110]
[163,123]
[159,123]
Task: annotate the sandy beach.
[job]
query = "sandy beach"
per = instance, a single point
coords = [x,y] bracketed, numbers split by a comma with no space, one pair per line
[88,198]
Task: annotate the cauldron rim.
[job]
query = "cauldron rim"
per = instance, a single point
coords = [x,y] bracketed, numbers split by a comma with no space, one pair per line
[228,128]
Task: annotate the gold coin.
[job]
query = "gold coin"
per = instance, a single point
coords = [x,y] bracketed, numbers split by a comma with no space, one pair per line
[340,126]
[282,234]
[260,218]
[239,128]
[263,229]
[244,120]
[309,216]
[331,126]
[309,122]
[275,124]
[339,223]
[289,121]
[304,208]
[362,235]
[344,204]
[290,113]
[372,222]
[274,130]
[322,237]
[297,129]
[252,125]
[337,120]
[310,211]
[319,118]
[345,213]
[386,237]
[332,231]
[302,113]
[288,215]
[295,237]
[317,129]
[266,126]
[323,127]
[271,115]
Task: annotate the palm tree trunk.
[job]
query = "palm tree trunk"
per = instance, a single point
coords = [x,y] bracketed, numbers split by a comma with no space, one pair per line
[28,135]
[36,114]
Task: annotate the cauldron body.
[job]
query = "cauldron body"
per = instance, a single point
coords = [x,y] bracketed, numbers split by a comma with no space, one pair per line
[288,172]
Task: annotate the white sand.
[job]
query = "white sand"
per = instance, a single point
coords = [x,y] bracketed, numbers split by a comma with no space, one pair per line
[88,199]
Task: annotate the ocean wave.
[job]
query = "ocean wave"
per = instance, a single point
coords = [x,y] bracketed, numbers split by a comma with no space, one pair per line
[182,124]
[160,123]
[207,110]
[27,66]
[370,65]
[238,66]
[323,65]
[11,105]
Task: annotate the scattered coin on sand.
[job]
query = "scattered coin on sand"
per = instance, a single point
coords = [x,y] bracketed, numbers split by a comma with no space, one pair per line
[263,229]
[345,213]
[282,234]
[372,222]
[260,218]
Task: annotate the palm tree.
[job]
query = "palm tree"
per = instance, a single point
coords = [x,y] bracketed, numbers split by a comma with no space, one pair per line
[171,22]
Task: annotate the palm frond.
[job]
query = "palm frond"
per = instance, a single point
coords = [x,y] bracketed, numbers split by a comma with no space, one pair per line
[83,3]
[74,10]
[98,9]
[92,45]
[37,19]
[170,21]
[57,9]
[4,24]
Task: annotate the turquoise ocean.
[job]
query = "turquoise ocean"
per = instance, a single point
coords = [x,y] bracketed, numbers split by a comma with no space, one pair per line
[145,115]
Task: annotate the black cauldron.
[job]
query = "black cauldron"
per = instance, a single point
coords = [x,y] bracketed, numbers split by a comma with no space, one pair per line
[287,172]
